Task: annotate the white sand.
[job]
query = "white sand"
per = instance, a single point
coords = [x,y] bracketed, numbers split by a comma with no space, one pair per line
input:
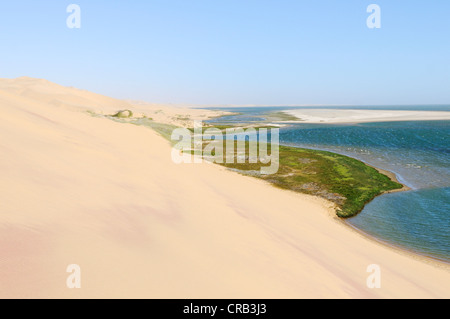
[364,116]
[76,189]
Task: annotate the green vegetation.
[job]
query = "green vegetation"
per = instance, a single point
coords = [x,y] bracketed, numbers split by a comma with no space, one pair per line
[269,117]
[165,130]
[123,114]
[280,116]
[180,117]
[347,182]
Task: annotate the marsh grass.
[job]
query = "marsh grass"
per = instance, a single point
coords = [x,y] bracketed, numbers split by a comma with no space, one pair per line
[281,116]
[345,181]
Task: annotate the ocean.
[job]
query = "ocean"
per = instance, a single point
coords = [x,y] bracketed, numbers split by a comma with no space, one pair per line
[418,152]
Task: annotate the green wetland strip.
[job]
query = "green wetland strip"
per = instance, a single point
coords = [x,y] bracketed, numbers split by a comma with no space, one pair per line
[347,182]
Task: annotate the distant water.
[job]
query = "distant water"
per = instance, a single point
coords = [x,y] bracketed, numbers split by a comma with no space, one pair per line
[418,152]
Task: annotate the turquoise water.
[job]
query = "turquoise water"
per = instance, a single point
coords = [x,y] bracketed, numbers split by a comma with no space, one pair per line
[418,152]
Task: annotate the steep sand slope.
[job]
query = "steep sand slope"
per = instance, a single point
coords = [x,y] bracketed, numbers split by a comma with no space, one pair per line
[75,189]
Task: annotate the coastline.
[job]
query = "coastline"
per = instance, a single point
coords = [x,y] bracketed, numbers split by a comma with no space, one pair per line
[331,209]
[390,245]
[107,196]
[392,176]
[436,262]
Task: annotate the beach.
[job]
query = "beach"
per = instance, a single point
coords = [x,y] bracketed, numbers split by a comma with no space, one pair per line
[85,190]
[364,116]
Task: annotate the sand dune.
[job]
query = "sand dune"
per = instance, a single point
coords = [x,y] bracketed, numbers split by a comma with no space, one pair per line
[364,116]
[76,189]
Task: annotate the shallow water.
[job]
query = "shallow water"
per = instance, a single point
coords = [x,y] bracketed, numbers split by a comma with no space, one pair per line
[417,220]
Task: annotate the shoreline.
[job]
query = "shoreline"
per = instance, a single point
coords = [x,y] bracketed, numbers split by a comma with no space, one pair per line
[330,207]
[435,261]
[391,245]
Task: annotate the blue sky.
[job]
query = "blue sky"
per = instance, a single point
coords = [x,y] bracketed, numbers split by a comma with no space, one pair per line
[284,52]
